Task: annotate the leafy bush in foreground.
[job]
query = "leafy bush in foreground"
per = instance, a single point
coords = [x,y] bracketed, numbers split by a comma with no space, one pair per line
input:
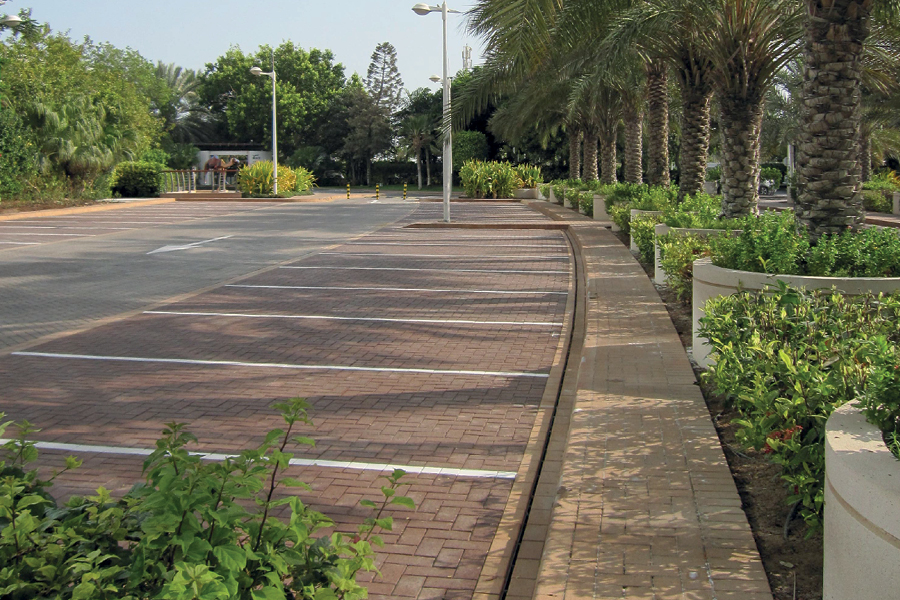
[186,533]
[489,179]
[785,360]
[135,179]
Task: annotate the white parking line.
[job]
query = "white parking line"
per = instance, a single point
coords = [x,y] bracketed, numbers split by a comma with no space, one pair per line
[4,227]
[22,243]
[457,256]
[297,462]
[232,363]
[333,318]
[431,270]
[391,289]
[56,234]
[547,247]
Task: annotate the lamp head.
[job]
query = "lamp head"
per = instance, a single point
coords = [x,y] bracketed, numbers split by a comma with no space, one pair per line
[256,71]
[421,8]
[11,21]
[435,78]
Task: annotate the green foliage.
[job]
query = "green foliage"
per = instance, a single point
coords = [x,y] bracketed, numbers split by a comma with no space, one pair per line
[585,202]
[877,201]
[714,174]
[643,234]
[871,252]
[257,179]
[529,175]
[773,174]
[489,179]
[137,179]
[468,146]
[156,156]
[770,243]
[17,149]
[677,255]
[197,530]
[625,197]
[885,180]
[786,359]
[545,190]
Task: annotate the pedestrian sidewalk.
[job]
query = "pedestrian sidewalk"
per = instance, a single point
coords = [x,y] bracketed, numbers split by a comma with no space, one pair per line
[638,500]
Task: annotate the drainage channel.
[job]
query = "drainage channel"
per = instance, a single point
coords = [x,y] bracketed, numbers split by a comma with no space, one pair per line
[569,374]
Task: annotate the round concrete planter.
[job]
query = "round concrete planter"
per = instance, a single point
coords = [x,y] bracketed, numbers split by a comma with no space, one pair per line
[710,281]
[710,188]
[600,208]
[659,276]
[566,202]
[895,204]
[635,212]
[862,501]
[527,194]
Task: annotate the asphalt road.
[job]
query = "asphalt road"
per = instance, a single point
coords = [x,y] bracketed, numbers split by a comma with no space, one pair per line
[74,283]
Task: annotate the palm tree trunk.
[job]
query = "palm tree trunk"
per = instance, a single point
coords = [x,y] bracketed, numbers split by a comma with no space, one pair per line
[829,192]
[608,155]
[368,171]
[741,121]
[419,166]
[590,157]
[634,133]
[694,139]
[658,124]
[575,137]
[865,157]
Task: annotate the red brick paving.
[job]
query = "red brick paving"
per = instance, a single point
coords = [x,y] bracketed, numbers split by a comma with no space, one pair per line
[460,421]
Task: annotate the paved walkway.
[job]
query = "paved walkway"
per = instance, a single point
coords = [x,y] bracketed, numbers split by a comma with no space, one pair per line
[643,502]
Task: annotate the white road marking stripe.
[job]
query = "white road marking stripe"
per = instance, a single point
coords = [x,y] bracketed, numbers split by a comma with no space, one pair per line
[3,227]
[438,270]
[55,234]
[233,363]
[390,289]
[458,256]
[547,247]
[23,243]
[333,318]
[297,462]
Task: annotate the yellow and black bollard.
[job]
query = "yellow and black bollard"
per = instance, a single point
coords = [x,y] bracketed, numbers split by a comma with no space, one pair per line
[377,191]
[348,191]
[404,191]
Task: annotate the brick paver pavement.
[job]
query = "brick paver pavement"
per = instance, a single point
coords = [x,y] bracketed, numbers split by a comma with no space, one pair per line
[456,330]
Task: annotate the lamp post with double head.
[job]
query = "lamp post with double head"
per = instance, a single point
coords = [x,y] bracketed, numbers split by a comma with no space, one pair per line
[258,71]
[423,9]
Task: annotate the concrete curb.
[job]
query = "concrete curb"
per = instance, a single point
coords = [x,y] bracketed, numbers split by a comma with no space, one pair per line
[77,210]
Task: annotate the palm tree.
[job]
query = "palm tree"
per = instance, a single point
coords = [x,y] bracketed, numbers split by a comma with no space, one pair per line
[748,42]
[184,117]
[416,130]
[828,177]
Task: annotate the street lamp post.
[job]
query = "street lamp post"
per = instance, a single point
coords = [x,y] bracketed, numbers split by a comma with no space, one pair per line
[258,71]
[423,9]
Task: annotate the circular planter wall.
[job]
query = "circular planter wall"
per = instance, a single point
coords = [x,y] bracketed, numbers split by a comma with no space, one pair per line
[862,501]
[600,208]
[710,281]
[659,276]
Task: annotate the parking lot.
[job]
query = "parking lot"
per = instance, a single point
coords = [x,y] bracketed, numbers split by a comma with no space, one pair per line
[427,349]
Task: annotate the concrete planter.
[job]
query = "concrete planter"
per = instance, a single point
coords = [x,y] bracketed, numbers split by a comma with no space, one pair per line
[896,203]
[710,188]
[600,208]
[710,281]
[659,276]
[553,197]
[635,212]
[862,500]
[527,194]
[566,202]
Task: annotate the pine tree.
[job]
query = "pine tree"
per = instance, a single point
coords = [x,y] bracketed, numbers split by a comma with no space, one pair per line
[383,80]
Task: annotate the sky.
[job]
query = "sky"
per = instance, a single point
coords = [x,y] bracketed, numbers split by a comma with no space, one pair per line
[191,33]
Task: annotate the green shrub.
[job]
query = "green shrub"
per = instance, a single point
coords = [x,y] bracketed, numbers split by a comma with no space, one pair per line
[785,360]
[871,252]
[156,156]
[643,234]
[489,179]
[529,175]
[194,529]
[624,193]
[639,197]
[584,200]
[877,201]
[545,190]
[884,180]
[135,179]
[714,174]
[468,145]
[773,174]
[17,153]
[256,179]
[677,254]
[770,243]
